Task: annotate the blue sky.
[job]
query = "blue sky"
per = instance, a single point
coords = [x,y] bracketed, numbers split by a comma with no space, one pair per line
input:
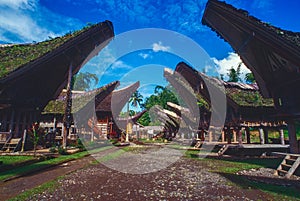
[25,21]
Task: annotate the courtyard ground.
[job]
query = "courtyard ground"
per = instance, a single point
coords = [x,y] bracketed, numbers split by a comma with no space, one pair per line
[185,179]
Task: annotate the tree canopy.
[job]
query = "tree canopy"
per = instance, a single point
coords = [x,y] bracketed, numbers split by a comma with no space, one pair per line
[161,96]
[85,81]
[234,74]
[249,78]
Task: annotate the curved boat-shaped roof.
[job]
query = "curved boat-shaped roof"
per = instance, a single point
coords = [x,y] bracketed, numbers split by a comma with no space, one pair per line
[36,73]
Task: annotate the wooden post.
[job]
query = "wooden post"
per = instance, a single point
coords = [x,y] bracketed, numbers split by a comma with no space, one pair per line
[127,126]
[228,135]
[234,135]
[223,135]
[261,136]
[293,137]
[210,136]
[239,134]
[68,107]
[281,134]
[24,140]
[247,131]
[11,123]
[266,135]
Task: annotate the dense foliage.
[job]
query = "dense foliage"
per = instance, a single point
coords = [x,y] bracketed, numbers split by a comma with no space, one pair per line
[85,81]
[234,74]
[161,96]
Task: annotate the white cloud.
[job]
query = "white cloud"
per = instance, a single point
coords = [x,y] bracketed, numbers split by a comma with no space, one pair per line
[19,4]
[233,60]
[25,21]
[120,65]
[156,47]
[144,55]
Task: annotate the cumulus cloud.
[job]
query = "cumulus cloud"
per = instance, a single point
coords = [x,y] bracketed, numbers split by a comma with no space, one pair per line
[19,4]
[25,21]
[156,47]
[233,60]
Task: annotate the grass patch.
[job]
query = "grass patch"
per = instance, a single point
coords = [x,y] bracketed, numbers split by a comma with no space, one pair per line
[52,185]
[47,163]
[11,160]
[49,186]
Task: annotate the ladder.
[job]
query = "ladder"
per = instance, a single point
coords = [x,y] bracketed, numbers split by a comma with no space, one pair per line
[12,145]
[223,149]
[198,144]
[288,166]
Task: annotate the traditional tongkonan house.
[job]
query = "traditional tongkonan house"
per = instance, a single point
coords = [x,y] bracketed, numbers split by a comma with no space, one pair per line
[245,108]
[272,54]
[34,74]
[95,114]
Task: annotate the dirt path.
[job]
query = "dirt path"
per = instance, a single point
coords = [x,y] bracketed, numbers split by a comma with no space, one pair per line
[14,187]
[186,179]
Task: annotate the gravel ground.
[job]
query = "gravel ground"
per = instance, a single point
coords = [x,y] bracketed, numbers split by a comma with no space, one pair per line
[185,179]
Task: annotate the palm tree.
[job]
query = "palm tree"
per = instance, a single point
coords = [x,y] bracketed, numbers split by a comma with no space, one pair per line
[234,75]
[158,88]
[136,99]
[249,78]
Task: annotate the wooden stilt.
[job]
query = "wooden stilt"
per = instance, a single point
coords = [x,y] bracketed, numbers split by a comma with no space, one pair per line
[248,136]
[239,134]
[281,134]
[293,137]
[210,136]
[266,135]
[261,136]
[68,106]
[223,135]
[234,135]
[11,123]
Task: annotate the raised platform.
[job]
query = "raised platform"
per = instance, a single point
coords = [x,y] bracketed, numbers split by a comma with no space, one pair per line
[255,149]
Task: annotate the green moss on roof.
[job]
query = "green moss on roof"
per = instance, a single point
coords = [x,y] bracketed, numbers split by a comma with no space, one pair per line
[54,107]
[248,98]
[79,101]
[13,57]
